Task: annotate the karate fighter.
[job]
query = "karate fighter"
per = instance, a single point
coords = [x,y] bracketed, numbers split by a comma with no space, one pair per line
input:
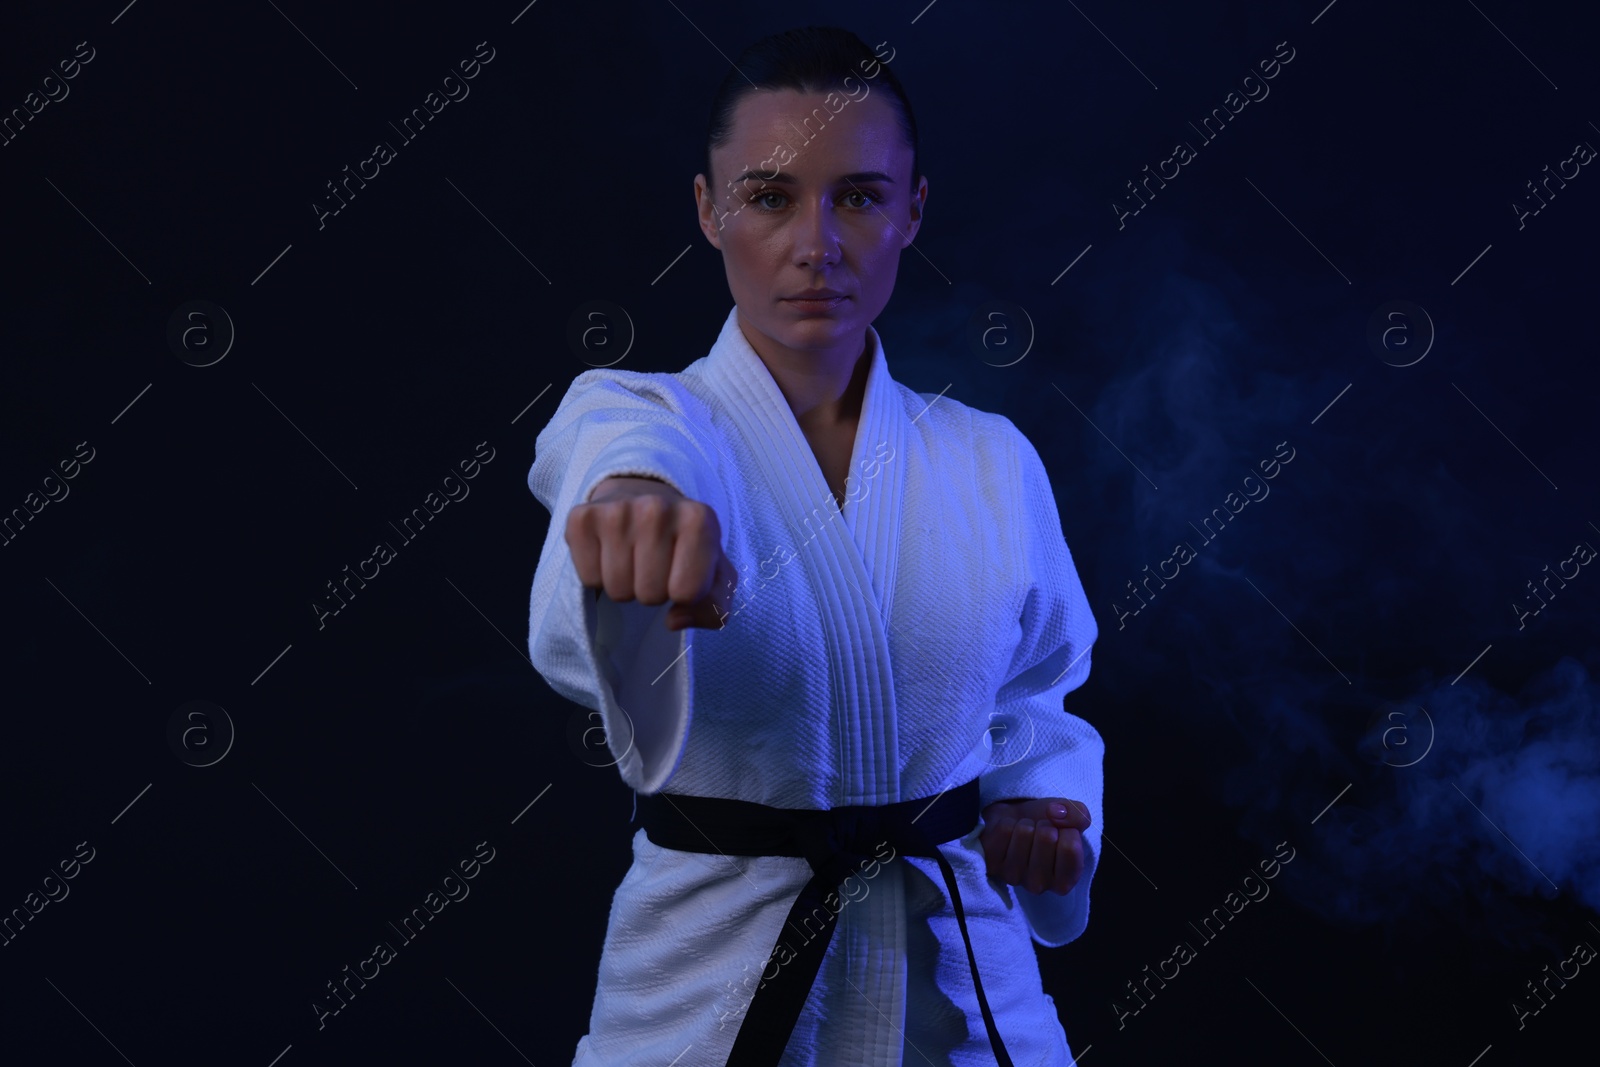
[828,624]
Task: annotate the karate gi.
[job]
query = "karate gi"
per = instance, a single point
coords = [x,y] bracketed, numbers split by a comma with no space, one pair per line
[923,635]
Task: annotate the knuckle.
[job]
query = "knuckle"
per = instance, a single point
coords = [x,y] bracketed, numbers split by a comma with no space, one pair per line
[689,516]
[610,517]
[697,515]
[652,506]
[579,520]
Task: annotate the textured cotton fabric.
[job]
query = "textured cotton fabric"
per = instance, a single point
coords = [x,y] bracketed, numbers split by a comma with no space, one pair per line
[925,634]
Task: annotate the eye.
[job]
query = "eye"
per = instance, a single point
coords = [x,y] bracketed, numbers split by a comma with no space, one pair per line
[762,195]
[873,198]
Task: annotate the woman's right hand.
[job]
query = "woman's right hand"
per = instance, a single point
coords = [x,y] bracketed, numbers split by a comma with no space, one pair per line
[641,539]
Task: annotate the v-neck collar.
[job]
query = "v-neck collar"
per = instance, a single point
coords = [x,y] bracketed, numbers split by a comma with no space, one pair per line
[851,555]
[734,348]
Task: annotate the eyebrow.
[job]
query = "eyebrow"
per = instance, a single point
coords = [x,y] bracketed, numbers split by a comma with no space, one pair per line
[789,179]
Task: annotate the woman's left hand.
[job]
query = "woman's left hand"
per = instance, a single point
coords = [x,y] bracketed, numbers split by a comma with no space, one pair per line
[1026,843]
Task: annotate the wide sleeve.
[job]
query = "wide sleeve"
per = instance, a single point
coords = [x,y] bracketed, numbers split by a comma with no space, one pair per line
[619,660]
[1047,751]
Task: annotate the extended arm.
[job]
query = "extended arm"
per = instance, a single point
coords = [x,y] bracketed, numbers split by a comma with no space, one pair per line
[617,658]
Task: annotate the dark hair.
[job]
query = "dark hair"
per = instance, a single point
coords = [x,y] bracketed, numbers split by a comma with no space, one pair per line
[806,59]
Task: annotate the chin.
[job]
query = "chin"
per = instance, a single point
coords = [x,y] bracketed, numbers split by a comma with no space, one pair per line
[821,325]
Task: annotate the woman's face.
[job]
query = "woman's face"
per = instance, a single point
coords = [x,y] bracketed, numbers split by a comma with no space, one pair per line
[834,216]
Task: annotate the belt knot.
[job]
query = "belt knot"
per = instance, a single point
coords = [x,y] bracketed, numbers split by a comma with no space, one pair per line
[838,840]
[834,841]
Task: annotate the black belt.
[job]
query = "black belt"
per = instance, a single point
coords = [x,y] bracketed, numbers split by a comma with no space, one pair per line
[835,842]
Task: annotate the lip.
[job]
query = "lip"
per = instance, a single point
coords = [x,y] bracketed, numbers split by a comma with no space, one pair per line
[816,305]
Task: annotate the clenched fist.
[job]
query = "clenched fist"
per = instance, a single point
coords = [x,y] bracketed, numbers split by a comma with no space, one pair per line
[1027,843]
[640,539]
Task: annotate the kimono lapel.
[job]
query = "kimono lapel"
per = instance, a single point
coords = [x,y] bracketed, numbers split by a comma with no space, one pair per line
[849,557]
[878,462]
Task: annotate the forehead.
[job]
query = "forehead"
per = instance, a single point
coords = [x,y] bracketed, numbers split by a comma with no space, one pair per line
[828,134]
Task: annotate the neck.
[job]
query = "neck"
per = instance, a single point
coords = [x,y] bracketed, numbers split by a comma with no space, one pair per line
[824,387]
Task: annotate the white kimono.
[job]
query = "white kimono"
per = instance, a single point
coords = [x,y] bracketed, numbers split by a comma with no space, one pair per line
[924,635]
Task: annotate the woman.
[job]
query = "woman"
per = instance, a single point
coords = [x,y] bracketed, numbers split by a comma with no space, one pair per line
[837,618]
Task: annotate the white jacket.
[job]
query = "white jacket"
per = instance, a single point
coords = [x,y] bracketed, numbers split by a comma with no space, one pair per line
[925,635]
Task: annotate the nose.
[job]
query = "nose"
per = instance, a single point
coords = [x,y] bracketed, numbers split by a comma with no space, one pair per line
[817,237]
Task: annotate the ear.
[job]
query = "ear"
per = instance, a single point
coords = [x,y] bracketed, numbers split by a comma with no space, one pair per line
[919,200]
[706,209]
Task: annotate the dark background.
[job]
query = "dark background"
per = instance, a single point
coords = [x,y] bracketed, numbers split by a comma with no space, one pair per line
[1285,686]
